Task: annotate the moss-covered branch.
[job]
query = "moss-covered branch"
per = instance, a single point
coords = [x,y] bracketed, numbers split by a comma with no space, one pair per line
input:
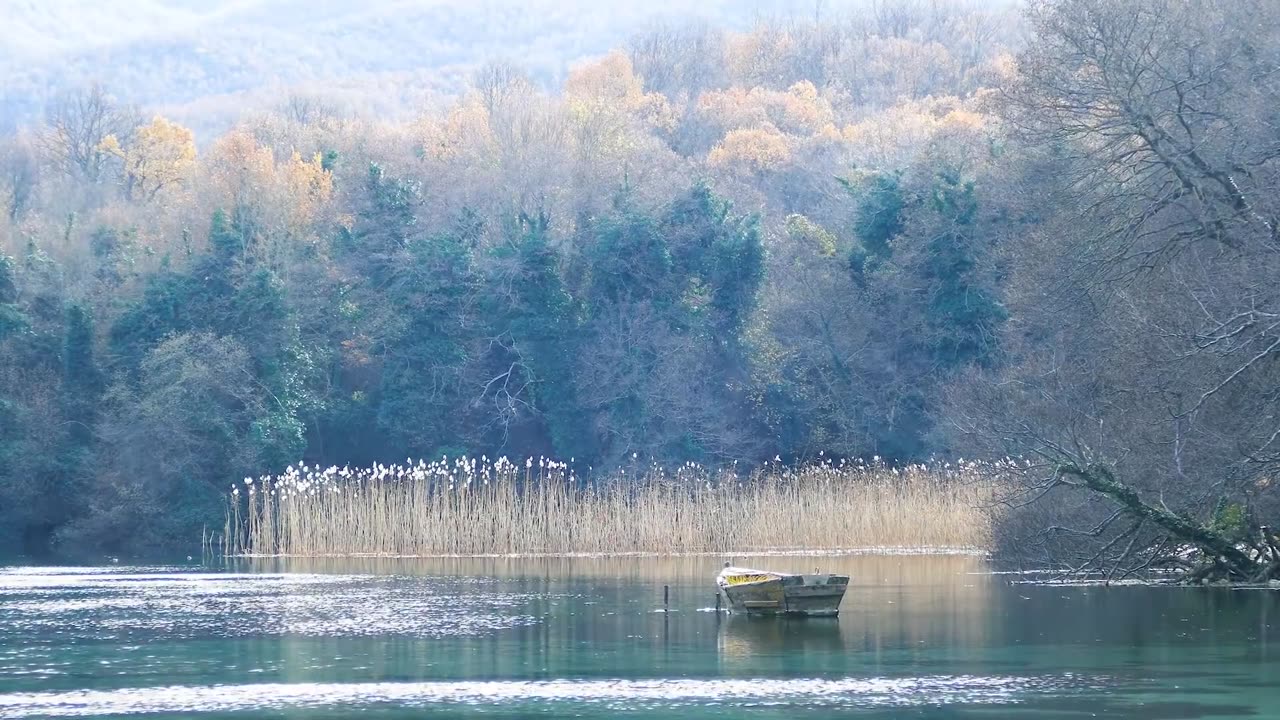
[1223,554]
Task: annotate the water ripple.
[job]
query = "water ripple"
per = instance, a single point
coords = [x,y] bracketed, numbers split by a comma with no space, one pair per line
[849,693]
[93,604]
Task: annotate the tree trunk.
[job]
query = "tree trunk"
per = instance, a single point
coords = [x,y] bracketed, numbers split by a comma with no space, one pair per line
[1218,549]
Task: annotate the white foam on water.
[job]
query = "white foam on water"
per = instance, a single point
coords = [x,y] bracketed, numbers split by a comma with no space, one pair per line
[619,694]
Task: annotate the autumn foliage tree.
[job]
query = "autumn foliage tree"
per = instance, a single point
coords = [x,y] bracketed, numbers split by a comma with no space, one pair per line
[160,157]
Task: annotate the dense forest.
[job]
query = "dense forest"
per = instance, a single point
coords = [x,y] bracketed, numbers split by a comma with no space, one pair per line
[918,230]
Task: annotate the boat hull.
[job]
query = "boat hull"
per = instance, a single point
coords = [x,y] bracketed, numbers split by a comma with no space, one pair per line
[799,595]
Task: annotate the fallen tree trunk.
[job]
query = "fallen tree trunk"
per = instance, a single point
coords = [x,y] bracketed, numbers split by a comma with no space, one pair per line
[1223,557]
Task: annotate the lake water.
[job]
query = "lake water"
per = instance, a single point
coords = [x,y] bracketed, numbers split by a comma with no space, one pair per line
[918,637]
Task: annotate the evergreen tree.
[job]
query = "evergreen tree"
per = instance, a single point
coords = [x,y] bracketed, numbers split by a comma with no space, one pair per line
[531,319]
[963,313]
[81,378]
[12,319]
[430,286]
[878,219]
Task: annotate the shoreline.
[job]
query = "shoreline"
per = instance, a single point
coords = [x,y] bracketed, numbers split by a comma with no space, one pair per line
[1164,581]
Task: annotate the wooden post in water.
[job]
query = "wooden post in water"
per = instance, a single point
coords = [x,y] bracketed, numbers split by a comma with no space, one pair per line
[666,598]
[717,602]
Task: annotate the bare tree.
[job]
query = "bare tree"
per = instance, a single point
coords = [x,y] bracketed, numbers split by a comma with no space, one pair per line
[500,83]
[650,390]
[19,174]
[76,124]
[679,61]
[1144,375]
[306,108]
[897,18]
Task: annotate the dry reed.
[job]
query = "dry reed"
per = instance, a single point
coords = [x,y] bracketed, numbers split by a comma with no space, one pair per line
[477,507]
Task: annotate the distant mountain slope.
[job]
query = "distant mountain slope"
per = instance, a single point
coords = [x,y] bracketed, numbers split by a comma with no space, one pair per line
[175,52]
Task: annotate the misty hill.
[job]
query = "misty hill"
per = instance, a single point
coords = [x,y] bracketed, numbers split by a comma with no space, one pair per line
[193,60]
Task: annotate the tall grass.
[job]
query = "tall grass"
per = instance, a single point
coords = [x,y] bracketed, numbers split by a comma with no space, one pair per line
[477,507]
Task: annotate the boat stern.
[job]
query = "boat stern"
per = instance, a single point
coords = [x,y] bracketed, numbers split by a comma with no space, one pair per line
[815,595]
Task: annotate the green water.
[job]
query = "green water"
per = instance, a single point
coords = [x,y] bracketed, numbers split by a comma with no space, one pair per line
[918,637]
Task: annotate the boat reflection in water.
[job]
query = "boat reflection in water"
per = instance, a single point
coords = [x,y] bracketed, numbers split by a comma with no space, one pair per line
[750,639]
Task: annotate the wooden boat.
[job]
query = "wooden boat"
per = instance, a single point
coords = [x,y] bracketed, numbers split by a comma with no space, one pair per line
[762,592]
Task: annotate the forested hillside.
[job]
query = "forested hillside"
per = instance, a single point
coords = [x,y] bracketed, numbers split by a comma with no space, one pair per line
[910,231]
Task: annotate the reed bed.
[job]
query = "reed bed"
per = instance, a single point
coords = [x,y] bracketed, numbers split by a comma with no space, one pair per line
[471,507]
